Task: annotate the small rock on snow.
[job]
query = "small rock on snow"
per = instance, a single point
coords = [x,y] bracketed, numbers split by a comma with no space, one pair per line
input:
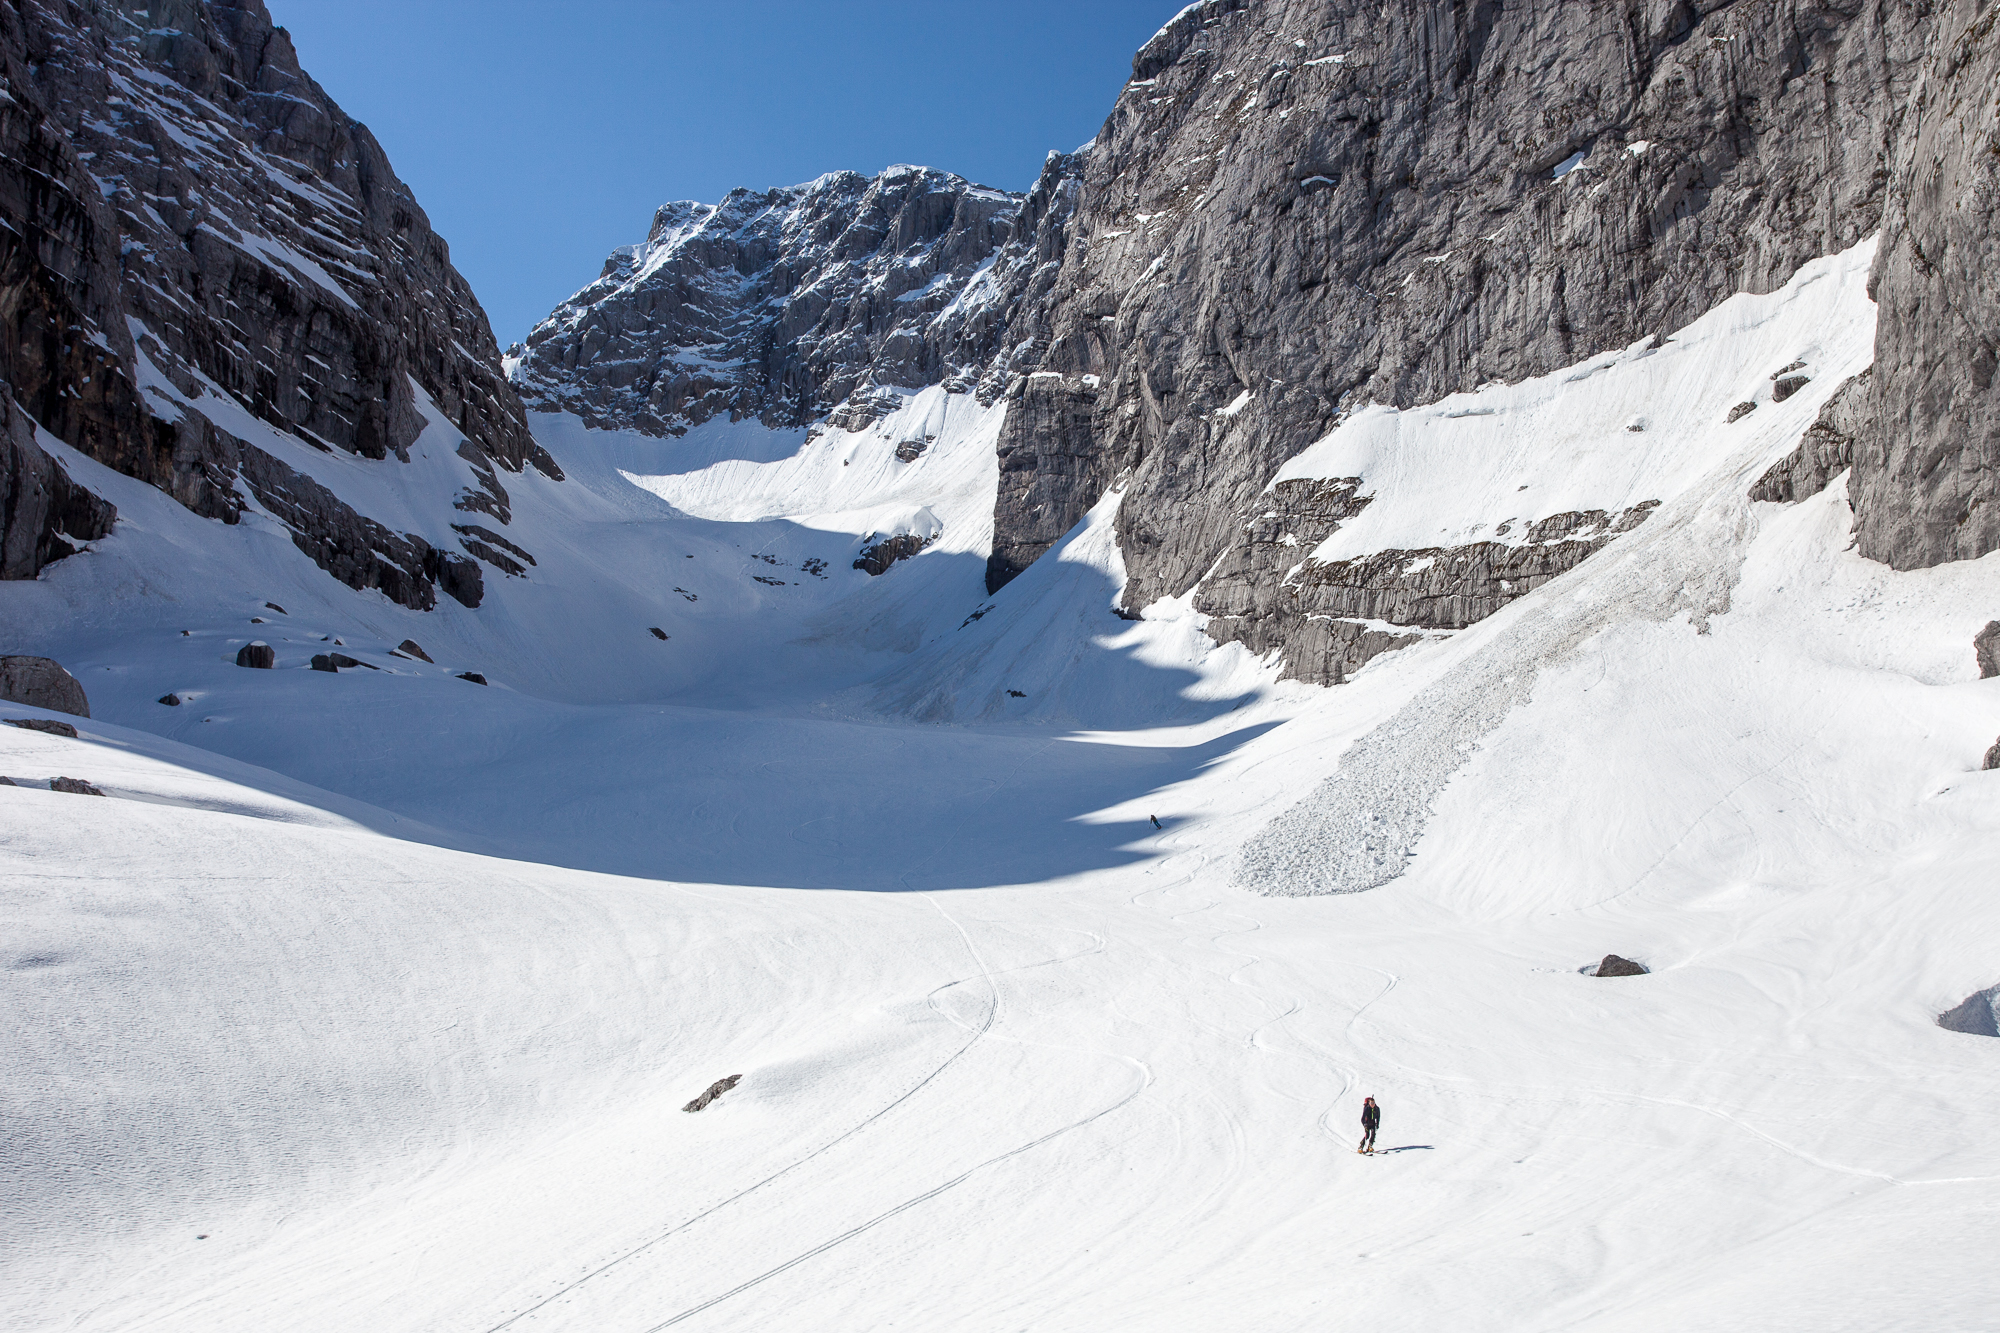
[1974,1015]
[1614,966]
[1788,386]
[1740,411]
[715,1089]
[472,676]
[260,655]
[658,633]
[409,646]
[75,787]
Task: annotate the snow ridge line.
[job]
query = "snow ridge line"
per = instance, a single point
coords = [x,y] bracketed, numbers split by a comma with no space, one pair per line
[1145,1081]
[828,1146]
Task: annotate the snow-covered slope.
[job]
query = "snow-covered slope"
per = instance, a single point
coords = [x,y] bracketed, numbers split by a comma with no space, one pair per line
[372,999]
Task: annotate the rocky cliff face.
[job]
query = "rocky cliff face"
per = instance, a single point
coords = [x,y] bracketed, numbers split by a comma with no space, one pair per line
[792,304]
[1299,207]
[1926,485]
[200,245]
[1303,206]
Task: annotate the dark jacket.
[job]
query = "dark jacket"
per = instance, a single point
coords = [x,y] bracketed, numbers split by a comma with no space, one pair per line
[1371,1117]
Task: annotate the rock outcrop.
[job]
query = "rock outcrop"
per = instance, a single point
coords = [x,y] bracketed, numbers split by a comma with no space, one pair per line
[878,554]
[1301,206]
[1827,448]
[715,1089]
[48,726]
[44,515]
[206,262]
[41,682]
[1975,1015]
[1986,650]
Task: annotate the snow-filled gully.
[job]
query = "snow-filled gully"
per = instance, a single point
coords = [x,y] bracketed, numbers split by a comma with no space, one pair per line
[393,987]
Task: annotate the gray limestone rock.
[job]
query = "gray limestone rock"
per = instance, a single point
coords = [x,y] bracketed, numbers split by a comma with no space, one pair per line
[324,662]
[1927,483]
[1323,203]
[877,556]
[260,656]
[1986,650]
[74,786]
[472,676]
[1976,1015]
[1826,449]
[43,724]
[44,515]
[1992,760]
[715,1089]
[1614,966]
[186,208]
[40,682]
[410,648]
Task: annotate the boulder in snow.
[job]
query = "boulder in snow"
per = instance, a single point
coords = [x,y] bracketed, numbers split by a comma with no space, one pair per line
[40,682]
[171,700]
[1977,1015]
[1788,386]
[75,787]
[324,662]
[1740,411]
[43,724]
[658,633]
[472,676]
[1614,966]
[1992,758]
[1986,650]
[260,655]
[715,1089]
[408,648]
[877,556]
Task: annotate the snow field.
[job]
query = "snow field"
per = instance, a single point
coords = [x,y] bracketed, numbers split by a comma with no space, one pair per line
[392,987]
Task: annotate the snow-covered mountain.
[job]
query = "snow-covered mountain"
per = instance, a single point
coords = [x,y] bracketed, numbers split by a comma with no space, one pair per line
[1022,709]
[794,304]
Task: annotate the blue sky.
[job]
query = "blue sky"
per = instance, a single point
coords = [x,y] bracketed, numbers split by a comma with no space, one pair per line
[538,136]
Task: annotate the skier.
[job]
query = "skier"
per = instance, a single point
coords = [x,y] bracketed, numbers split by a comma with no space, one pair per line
[1156,821]
[1371,1120]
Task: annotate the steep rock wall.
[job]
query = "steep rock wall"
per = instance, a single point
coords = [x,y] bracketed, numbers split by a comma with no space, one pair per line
[1926,484]
[1301,206]
[189,214]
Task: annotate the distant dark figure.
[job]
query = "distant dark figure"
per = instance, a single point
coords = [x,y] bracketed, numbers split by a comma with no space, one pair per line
[1156,821]
[1371,1120]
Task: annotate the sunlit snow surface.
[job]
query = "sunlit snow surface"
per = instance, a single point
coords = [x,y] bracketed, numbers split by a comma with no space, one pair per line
[405,1032]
